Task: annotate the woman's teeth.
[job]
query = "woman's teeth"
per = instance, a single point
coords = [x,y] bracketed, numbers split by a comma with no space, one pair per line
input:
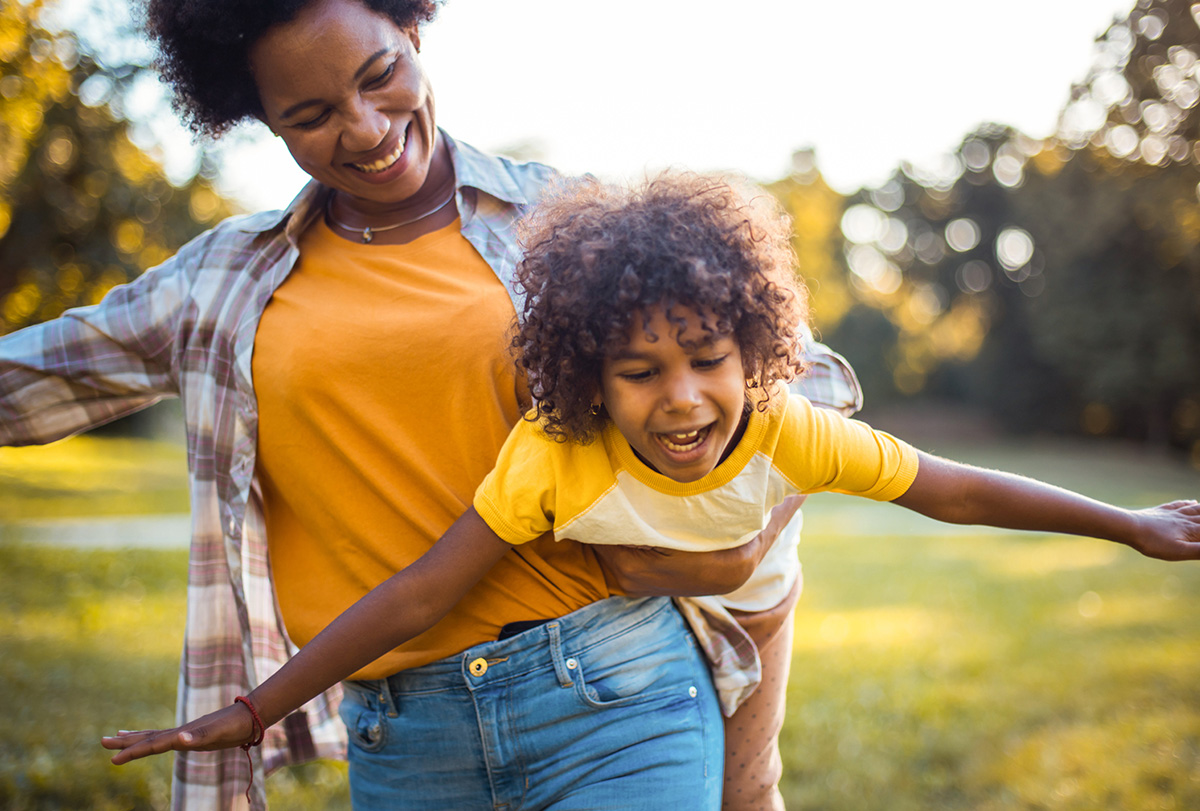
[683,442]
[382,163]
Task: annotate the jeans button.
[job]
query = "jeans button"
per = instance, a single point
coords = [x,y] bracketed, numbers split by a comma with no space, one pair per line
[478,667]
[572,664]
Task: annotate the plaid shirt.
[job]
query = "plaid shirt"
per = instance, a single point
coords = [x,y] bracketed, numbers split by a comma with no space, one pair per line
[186,329]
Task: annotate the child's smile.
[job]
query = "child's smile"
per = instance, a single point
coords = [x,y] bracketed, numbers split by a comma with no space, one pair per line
[676,395]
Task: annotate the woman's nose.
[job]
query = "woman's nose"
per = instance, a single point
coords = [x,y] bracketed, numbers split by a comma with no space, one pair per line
[366,128]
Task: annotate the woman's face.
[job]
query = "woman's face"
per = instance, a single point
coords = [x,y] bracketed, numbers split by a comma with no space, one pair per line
[344,89]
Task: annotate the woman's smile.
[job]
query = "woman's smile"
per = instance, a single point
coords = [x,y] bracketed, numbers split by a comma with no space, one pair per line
[344,88]
[387,161]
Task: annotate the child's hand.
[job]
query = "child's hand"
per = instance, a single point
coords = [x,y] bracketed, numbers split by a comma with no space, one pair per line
[223,729]
[1169,531]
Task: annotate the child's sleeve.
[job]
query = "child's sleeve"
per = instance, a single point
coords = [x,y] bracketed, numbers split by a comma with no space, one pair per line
[516,499]
[820,450]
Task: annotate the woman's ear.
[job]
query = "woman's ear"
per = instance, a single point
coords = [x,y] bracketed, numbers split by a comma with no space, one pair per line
[261,117]
[414,36]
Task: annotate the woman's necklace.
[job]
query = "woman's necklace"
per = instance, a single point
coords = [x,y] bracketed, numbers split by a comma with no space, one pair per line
[368,233]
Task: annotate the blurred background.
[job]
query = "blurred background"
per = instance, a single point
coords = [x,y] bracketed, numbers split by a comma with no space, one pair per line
[997,212]
[1044,279]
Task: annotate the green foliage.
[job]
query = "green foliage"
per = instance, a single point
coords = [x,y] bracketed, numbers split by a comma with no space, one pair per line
[935,666]
[1056,284]
[82,207]
[957,670]
[89,644]
[91,476]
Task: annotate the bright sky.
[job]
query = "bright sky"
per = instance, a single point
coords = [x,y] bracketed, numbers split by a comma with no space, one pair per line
[620,87]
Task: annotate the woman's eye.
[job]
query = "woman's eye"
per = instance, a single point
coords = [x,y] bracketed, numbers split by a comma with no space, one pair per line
[382,78]
[312,123]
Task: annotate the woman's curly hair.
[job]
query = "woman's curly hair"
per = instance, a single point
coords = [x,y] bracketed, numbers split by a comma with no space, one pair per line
[204,46]
[598,255]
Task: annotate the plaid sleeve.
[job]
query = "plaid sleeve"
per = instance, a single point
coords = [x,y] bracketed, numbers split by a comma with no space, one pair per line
[830,381]
[92,364]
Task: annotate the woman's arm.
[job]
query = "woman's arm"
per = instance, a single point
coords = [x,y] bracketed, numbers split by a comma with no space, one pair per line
[403,606]
[649,571]
[94,364]
[961,494]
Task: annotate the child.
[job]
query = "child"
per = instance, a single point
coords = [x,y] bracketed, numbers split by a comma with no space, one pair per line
[659,327]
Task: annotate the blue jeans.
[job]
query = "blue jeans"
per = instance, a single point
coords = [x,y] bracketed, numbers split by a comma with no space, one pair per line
[609,707]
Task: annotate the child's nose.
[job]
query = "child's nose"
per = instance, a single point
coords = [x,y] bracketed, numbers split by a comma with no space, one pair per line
[681,394]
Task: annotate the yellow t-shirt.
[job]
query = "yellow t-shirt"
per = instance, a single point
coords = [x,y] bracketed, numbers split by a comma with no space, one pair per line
[385,390]
[601,493]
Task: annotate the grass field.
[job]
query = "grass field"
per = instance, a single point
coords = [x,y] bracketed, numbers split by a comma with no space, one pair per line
[935,667]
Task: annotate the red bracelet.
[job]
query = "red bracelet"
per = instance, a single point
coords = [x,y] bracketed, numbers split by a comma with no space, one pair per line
[259,732]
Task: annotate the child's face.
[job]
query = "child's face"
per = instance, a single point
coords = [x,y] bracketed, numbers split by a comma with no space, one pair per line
[678,399]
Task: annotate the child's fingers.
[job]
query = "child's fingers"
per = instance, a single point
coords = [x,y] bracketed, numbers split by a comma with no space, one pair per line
[222,729]
[152,744]
[1183,505]
[126,738]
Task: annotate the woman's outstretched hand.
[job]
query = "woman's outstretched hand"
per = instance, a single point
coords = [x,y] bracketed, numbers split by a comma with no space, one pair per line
[223,729]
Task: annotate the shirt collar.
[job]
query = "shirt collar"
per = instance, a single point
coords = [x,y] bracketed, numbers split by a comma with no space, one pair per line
[487,173]
[472,168]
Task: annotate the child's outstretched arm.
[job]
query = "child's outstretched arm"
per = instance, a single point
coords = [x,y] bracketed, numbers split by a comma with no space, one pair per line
[961,494]
[403,606]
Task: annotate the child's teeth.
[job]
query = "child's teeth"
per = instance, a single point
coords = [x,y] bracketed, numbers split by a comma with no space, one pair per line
[682,442]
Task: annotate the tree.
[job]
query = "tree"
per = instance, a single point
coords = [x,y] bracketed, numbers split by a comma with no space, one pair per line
[83,208]
[816,210]
[1056,283]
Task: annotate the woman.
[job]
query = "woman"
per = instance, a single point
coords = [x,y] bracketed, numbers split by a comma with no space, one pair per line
[346,383]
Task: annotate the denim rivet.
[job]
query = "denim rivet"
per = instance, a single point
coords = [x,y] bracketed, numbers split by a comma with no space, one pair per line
[572,664]
[692,692]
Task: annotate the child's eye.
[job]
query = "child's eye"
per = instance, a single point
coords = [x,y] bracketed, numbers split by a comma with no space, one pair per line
[381,79]
[636,377]
[709,363]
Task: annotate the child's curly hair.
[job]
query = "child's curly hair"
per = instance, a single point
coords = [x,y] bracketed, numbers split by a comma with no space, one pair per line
[597,255]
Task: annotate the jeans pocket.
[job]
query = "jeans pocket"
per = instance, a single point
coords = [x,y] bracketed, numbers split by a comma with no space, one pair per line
[601,683]
[366,728]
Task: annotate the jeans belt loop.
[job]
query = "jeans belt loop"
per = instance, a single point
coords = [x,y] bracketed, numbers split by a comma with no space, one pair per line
[556,655]
[388,698]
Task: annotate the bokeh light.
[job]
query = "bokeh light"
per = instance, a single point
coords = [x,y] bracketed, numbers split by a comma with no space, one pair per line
[962,234]
[1014,248]
[862,224]
[974,276]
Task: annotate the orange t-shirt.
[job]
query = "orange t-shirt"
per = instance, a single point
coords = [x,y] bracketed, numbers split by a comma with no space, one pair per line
[385,390]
